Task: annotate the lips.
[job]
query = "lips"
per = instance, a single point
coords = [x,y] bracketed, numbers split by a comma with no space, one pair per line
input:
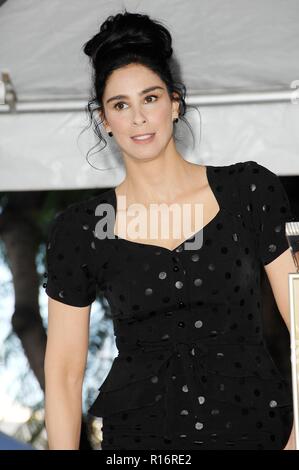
[141,137]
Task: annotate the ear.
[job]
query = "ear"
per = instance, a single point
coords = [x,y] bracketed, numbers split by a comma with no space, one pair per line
[175,104]
[101,115]
[103,119]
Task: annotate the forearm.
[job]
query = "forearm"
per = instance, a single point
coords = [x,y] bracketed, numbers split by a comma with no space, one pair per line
[63,414]
[291,441]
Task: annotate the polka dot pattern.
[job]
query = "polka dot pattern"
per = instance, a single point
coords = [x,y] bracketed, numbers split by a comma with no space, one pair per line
[193,370]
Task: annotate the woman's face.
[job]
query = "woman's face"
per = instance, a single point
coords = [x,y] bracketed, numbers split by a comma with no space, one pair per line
[138,112]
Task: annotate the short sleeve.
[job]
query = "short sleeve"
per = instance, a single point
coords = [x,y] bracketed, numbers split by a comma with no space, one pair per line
[271,210]
[69,262]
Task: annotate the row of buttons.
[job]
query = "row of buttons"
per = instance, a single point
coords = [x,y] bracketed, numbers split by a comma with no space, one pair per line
[179,283]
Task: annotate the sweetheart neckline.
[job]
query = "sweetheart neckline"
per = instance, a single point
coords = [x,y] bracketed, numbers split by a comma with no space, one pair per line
[170,250]
[160,247]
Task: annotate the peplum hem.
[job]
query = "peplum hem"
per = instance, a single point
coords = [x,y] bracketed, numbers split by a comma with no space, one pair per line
[141,378]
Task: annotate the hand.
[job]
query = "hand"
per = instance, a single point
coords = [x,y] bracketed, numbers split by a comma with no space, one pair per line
[291,442]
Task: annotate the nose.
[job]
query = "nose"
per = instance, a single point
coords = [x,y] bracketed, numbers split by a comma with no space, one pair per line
[138,117]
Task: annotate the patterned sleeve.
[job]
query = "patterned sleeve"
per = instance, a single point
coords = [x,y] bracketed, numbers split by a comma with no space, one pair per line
[270,209]
[69,262]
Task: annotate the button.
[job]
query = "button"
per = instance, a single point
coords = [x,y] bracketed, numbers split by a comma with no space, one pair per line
[169,313]
[162,275]
[181,324]
[179,284]
[175,268]
[148,291]
[179,249]
[198,425]
[181,303]
[166,336]
[214,333]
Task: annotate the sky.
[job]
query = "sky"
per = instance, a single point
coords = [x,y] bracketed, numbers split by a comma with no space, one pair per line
[12,412]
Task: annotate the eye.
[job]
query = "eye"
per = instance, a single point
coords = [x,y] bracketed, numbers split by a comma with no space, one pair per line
[151,96]
[121,102]
[117,104]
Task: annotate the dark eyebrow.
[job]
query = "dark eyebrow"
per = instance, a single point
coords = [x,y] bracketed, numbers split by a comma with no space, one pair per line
[120,97]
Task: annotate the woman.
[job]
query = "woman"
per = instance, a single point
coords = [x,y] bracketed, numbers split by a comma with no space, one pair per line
[193,370]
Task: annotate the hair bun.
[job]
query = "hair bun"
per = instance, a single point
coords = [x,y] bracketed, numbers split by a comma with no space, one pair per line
[130,31]
[124,39]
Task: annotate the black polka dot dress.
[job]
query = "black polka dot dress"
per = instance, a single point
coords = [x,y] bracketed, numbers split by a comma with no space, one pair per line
[193,370]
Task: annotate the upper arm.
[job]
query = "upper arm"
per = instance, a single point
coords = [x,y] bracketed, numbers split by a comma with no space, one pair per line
[277,272]
[71,289]
[270,210]
[68,338]
[71,276]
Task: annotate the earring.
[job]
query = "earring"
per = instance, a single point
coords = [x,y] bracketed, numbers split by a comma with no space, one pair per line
[110,134]
[175,120]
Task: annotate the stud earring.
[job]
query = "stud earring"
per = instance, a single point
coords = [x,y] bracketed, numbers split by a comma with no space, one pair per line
[175,120]
[110,134]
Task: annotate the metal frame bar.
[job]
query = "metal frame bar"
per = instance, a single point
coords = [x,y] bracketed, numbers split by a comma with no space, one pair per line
[74,105]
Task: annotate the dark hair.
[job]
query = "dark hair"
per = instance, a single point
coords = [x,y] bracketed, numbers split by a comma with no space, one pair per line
[130,38]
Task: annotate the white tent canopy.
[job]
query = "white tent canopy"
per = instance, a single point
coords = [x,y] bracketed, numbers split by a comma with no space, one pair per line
[238,60]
